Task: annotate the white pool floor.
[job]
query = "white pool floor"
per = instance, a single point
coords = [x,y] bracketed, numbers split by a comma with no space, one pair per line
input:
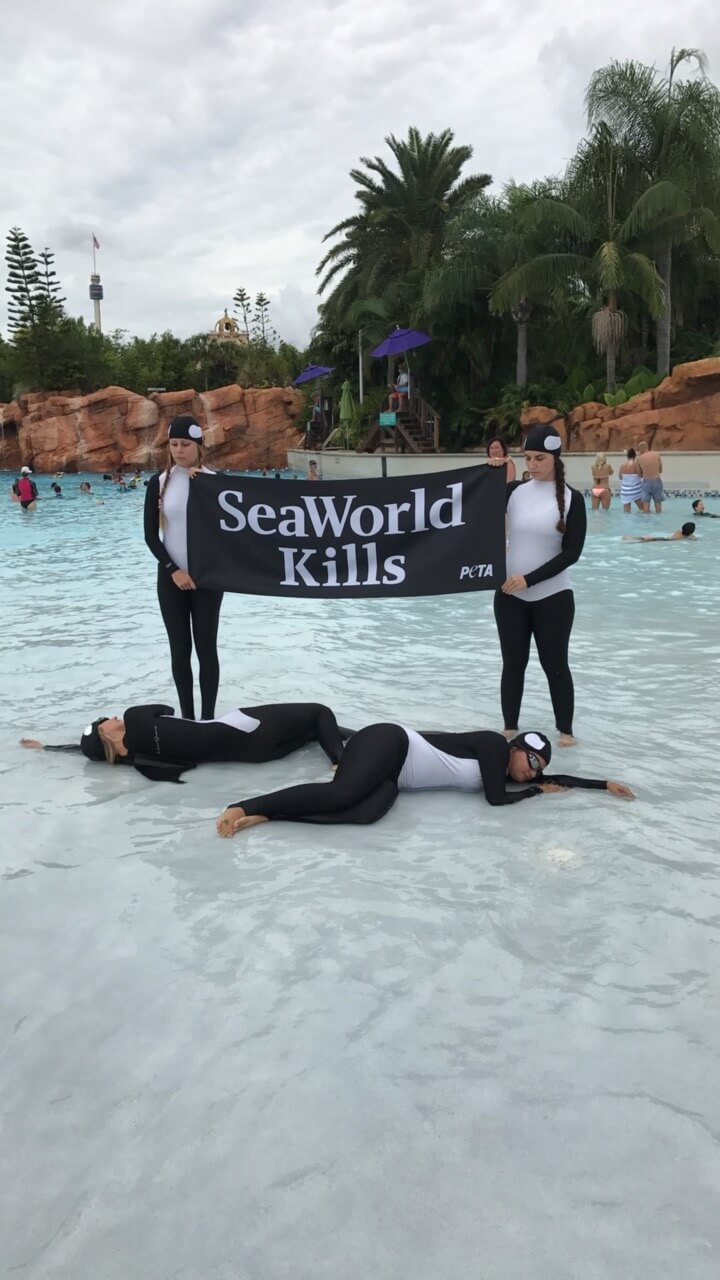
[464,1042]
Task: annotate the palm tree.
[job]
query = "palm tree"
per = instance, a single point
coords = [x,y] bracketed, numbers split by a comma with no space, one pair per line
[600,258]
[489,238]
[386,248]
[674,129]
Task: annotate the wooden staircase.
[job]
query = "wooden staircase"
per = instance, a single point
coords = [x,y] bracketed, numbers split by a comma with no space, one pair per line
[416,430]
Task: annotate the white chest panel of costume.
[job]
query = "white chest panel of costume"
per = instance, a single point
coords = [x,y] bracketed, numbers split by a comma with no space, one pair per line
[174,510]
[174,506]
[236,719]
[426,768]
[533,538]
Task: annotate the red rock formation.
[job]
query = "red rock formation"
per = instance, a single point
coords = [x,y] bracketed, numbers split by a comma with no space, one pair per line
[682,413]
[52,431]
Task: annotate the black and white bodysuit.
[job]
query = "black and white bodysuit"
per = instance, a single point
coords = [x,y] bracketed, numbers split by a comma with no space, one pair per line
[383,759]
[188,615]
[545,609]
[250,735]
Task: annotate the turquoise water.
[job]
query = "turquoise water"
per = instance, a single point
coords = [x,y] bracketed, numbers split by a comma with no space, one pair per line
[463,1042]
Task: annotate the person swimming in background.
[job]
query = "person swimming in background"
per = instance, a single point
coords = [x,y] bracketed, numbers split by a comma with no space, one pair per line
[686,534]
[85,486]
[698,507]
[57,490]
[382,760]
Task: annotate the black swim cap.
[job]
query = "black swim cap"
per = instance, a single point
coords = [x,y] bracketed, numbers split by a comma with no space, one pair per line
[537,742]
[185,427]
[91,743]
[543,439]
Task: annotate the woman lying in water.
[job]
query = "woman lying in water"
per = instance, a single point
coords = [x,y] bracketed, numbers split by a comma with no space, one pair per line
[161,746]
[384,759]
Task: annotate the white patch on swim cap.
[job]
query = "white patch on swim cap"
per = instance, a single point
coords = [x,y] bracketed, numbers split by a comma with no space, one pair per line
[534,741]
[87,731]
[194,431]
[552,443]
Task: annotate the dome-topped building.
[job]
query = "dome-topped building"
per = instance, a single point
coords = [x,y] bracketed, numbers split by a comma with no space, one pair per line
[227,329]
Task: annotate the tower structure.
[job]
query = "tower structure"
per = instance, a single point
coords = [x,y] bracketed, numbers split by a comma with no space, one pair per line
[96,289]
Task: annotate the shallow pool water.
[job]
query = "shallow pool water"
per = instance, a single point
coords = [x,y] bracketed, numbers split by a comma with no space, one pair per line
[464,1042]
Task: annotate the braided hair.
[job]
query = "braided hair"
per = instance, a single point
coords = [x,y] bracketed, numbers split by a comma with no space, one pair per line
[169,464]
[560,491]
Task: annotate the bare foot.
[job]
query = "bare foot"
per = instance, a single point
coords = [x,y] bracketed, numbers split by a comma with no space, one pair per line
[242,824]
[566,740]
[225,825]
[509,734]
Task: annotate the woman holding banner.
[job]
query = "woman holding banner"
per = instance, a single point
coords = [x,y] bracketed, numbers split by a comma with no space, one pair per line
[546,525]
[189,612]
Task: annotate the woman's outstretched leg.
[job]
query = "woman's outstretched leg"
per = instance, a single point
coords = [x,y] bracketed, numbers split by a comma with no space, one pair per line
[373,756]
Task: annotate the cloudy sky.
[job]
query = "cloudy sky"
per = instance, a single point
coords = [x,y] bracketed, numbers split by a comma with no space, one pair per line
[208,142]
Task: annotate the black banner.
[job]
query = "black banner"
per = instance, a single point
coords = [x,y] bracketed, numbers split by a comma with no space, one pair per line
[402,536]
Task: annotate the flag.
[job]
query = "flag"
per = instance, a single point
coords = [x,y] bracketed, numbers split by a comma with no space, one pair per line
[96,242]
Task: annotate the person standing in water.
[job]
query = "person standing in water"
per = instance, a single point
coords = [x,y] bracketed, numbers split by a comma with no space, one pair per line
[25,489]
[649,463]
[601,472]
[497,448]
[190,613]
[547,523]
[630,482]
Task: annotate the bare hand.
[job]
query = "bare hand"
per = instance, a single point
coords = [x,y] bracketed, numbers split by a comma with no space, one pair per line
[497,462]
[619,789]
[548,788]
[513,584]
[183,580]
[229,820]
[193,471]
[31,742]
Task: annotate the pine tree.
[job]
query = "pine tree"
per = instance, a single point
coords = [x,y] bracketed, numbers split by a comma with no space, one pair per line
[261,319]
[242,304]
[23,284]
[49,285]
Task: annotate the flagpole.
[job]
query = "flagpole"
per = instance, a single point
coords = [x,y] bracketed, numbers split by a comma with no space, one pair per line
[360,364]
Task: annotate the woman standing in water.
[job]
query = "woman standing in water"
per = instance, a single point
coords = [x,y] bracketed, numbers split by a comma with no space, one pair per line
[601,472]
[546,523]
[190,613]
[497,448]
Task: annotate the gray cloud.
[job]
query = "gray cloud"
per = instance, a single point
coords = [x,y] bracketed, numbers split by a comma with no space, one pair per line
[208,143]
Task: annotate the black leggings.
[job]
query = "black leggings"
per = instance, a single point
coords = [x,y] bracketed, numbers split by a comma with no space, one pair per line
[364,787]
[288,726]
[191,615]
[549,622]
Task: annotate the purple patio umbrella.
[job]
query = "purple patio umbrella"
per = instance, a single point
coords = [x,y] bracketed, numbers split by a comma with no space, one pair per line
[401,340]
[313,371]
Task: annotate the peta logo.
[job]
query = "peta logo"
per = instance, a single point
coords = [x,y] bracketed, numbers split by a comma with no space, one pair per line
[476,571]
